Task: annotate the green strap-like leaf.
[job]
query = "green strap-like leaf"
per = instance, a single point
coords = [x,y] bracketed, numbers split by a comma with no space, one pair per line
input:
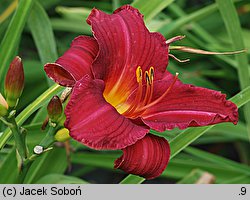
[60,179]
[132,179]
[218,160]
[12,35]
[232,22]
[197,15]
[9,169]
[151,8]
[51,162]
[42,33]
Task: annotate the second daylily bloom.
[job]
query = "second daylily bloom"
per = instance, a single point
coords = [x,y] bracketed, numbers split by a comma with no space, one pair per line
[121,89]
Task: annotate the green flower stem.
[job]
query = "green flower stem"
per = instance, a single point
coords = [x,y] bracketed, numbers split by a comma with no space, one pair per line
[19,138]
[46,142]
[49,139]
[4,121]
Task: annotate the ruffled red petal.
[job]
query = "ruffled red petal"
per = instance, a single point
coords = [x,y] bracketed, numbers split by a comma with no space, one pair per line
[186,105]
[125,43]
[148,157]
[75,62]
[94,122]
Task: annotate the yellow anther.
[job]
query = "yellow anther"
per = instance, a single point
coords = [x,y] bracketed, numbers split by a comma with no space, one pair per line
[151,74]
[139,74]
[147,78]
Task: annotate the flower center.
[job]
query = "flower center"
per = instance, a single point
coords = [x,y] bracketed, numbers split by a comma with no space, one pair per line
[142,100]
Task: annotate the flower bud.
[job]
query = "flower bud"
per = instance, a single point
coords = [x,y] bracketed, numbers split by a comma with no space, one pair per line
[14,82]
[54,108]
[3,106]
[62,135]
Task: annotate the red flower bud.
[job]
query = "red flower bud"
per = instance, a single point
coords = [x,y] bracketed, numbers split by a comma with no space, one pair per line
[54,108]
[14,82]
[3,106]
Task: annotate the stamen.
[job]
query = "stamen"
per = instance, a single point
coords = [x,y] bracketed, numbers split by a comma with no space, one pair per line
[136,106]
[204,52]
[147,78]
[138,74]
[148,82]
[177,59]
[174,39]
[138,97]
[151,75]
[160,98]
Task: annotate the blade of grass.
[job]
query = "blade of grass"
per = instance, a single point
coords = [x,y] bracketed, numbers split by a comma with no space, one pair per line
[151,8]
[53,161]
[194,176]
[82,171]
[218,160]
[8,11]
[180,167]
[195,27]
[3,28]
[213,139]
[243,152]
[102,5]
[9,44]
[9,169]
[95,160]
[238,180]
[49,3]
[60,179]
[116,4]
[69,25]
[232,23]
[230,130]
[29,110]
[195,16]
[132,179]
[42,33]
[73,13]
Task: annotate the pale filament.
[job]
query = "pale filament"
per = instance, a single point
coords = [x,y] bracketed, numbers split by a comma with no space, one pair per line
[138,97]
[137,106]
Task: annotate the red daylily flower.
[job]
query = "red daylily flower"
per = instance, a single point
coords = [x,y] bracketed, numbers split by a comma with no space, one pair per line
[121,89]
